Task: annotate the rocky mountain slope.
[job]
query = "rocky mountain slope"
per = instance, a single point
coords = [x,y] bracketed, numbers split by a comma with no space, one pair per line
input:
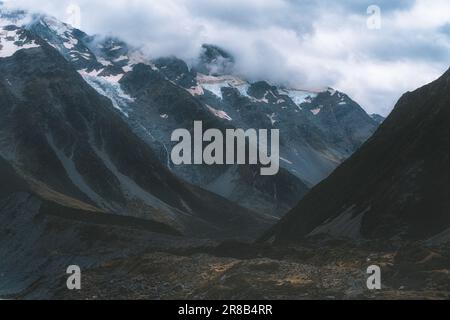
[42,231]
[64,135]
[395,186]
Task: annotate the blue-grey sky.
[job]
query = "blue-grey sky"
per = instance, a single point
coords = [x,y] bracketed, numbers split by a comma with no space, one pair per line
[308,44]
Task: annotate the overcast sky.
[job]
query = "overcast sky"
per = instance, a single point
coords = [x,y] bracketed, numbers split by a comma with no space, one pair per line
[304,43]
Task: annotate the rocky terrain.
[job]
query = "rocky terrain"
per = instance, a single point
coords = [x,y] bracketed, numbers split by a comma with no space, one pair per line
[329,271]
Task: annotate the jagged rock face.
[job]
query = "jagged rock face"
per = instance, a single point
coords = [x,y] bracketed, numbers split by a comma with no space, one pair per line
[69,41]
[317,130]
[344,123]
[176,70]
[396,185]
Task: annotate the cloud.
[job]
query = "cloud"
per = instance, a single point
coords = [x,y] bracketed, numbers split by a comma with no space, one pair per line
[306,44]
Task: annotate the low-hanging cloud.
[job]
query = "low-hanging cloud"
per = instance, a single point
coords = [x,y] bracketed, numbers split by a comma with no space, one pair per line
[306,44]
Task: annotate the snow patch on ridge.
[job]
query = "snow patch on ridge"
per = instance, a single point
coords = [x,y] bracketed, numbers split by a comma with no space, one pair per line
[219,113]
[215,84]
[272,118]
[12,41]
[110,88]
[315,111]
[298,96]
[196,91]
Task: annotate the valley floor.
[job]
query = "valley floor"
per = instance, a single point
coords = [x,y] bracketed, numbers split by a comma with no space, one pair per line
[122,260]
[334,271]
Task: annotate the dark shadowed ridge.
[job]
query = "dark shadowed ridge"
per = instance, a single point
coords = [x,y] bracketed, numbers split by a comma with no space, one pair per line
[395,186]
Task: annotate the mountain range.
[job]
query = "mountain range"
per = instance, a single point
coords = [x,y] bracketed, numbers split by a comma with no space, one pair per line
[87,179]
[62,136]
[153,97]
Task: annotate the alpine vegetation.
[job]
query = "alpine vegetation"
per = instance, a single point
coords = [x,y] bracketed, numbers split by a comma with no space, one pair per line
[231,149]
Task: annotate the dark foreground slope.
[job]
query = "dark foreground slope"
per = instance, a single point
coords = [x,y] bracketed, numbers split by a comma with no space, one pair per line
[396,185]
[42,232]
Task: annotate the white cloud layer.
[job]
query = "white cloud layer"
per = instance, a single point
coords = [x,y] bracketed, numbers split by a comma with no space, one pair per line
[302,43]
